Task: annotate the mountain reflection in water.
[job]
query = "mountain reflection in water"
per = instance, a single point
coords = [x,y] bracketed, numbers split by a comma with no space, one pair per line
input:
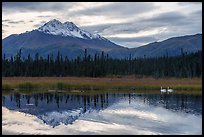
[56,108]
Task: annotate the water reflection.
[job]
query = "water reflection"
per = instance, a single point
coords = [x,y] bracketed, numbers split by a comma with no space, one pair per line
[54,108]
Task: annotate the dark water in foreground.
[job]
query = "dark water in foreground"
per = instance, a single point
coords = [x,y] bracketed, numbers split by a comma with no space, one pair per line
[57,108]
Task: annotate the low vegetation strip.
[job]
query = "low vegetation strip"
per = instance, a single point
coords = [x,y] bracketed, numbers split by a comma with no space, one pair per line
[110,83]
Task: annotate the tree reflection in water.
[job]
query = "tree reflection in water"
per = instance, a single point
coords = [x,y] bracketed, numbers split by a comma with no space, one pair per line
[50,102]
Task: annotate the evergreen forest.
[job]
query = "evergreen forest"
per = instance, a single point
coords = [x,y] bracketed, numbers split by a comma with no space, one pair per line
[101,65]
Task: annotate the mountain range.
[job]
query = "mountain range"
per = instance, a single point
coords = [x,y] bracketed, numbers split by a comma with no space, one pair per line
[170,47]
[71,41]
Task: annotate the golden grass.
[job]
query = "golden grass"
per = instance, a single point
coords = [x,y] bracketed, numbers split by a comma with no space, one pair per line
[105,83]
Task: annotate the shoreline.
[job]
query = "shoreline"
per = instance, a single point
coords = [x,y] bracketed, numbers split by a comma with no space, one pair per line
[104,83]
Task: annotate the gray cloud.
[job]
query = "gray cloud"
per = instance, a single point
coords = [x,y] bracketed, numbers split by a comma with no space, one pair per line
[4,25]
[189,3]
[115,28]
[169,18]
[7,20]
[197,13]
[44,16]
[99,28]
[118,9]
[35,6]
[16,22]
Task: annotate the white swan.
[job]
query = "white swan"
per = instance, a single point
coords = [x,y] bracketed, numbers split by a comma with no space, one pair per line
[170,90]
[163,90]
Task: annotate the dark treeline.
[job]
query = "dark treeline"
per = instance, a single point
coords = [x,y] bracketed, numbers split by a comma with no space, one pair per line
[100,65]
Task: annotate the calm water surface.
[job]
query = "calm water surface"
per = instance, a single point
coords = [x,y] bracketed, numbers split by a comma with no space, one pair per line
[57,108]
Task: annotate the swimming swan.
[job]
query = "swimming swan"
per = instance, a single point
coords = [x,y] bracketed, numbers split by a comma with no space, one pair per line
[163,90]
[170,90]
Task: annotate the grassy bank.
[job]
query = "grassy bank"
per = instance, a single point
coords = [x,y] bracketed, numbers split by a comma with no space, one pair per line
[108,83]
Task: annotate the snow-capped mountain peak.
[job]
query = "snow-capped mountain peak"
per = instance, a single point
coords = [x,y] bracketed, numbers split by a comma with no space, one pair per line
[51,24]
[55,27]
[70,25]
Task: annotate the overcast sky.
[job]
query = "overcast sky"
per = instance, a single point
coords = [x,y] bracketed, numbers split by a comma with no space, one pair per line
[129,24]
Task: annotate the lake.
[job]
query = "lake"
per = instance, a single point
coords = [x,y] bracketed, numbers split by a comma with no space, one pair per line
[135,112]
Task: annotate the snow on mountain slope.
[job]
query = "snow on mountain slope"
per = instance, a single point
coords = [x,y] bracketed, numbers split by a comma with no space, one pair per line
[55,27]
